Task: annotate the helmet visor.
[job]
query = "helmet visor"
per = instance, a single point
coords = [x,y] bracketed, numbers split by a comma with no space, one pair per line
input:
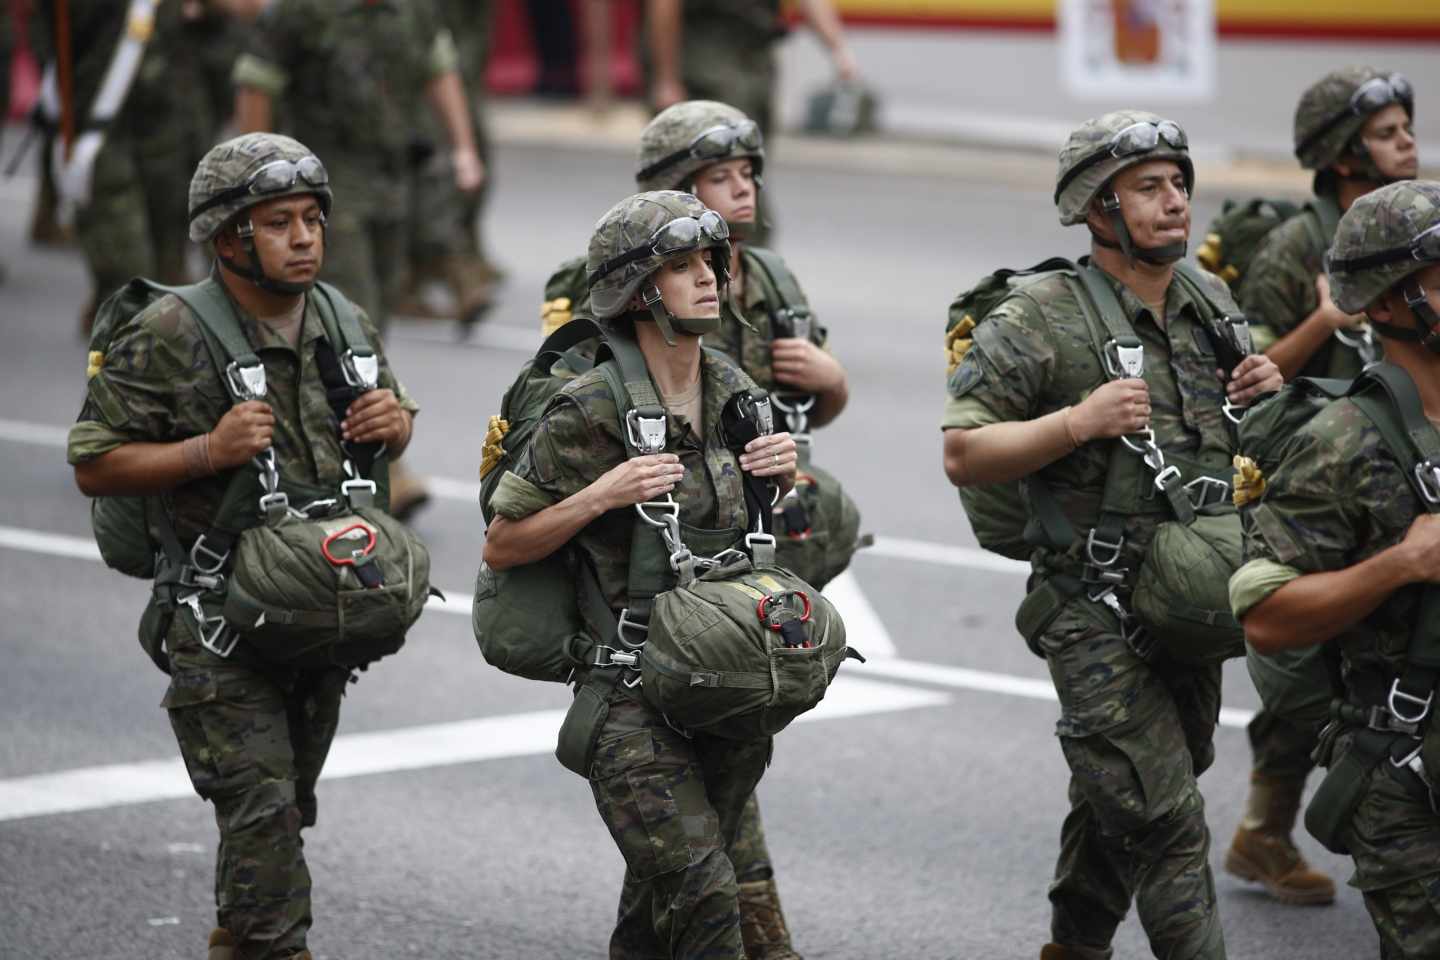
[277,176]
[680,235]
[1424,248]
[1141,137]
[1370,97]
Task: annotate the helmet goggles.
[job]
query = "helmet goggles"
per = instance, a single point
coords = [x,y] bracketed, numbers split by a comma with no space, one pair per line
[1370,97]
[715,143]
[1141,137]
[1424,248]
[277,176]
[680,235]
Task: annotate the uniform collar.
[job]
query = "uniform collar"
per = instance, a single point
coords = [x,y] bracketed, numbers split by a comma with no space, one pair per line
[1178,301]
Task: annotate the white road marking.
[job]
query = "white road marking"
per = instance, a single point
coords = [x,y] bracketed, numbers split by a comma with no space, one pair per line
[448,488]
[18,431]
[863,629]
[388,751]
[55,544]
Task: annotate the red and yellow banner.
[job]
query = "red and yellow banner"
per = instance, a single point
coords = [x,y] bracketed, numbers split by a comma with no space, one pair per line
[1292,19]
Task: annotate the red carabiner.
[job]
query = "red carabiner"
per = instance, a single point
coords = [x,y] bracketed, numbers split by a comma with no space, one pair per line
[342,534]
[786,628]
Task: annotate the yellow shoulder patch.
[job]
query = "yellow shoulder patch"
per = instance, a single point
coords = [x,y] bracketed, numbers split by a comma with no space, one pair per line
[93,364]
[958,343]
[1248,482]
[140,27]
[554,314]
[491,453]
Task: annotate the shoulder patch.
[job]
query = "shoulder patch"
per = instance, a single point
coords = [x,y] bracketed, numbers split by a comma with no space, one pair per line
[968,375]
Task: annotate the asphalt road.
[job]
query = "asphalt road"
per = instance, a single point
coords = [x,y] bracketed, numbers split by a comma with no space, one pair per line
[916,817]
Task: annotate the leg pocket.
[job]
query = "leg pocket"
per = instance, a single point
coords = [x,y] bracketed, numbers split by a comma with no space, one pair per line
[1132,776]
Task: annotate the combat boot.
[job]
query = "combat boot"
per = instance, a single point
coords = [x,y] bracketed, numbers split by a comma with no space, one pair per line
[222,945]
[408,492]
[1262,850]
[470,285]
[762,923]
[1053,951]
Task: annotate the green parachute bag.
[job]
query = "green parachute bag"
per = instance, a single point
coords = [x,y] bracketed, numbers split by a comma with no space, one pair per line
[1235,235]
[996,511]
[121,524]
[1182,591]
[741,651]
[341,591]
[817,528]
[527,619]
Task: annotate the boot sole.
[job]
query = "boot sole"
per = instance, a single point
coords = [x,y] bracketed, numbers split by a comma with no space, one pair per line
[1239,865]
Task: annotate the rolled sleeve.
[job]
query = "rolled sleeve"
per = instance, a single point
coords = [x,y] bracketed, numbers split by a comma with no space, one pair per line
[256,73]
[516,498]
[966,413]
[444,57]
[1256,581]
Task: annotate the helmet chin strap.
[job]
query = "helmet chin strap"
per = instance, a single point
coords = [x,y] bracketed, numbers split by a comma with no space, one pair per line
[1427,323]
[694,326]
[1369,171]
[650,296]
[1161,256]
[255,270]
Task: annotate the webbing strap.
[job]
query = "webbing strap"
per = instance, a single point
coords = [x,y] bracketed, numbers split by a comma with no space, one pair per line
[640,392]
[1325,221]
[735,680]
[1419,434]
[782,281]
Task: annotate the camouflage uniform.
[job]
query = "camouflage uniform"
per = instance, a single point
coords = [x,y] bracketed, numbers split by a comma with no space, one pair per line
[1339,498]
[672,802]
[727,53]
[1136,733]
[254,736]
[351,76]
[134,224]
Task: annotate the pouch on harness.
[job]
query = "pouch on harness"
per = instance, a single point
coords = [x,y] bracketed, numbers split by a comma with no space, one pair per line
[1179,595]
[1397,724]
[683,641]
[306,576]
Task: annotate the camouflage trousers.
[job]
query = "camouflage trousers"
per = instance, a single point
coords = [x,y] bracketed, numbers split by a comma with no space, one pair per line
[1279,748]
[365,235]
[1394,840]
[254,741]
[673,805]
[135,223]
[748,852]
[1135,735]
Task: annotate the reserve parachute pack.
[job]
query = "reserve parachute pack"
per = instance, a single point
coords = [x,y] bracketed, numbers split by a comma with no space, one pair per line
[1236,233]
[1179,595]
[717,636]
[817,525]
[305,576]
[1304,685]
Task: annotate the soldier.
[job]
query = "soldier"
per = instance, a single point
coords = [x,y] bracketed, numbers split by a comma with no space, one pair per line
[1342,552]
[351,76]
[1354,129]
[445,225]
[573,484]
[253,735]
[1032,397]
[715,152]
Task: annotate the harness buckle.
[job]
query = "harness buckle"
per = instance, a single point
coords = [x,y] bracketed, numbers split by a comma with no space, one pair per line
[670,507]
[358,492]
[647,434]
[1094,543]
[246,382]
[798,320]
[1140,642]
[1165,476]
[1204,491]
[1407,698]
[1427,472]
[1415,763]
[610,657]
[362,371]
[1229,409]
[761,547]
[275,506]
[205,560]
[200,580]
[1380,719]
[211,639]
[1124,359]
[625,622]
[1143,445]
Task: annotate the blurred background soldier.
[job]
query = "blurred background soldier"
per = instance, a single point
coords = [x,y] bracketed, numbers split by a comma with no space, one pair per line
[351,76]
[445,230]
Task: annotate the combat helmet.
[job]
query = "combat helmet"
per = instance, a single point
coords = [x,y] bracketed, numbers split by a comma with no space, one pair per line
[1105,146]
[1333,111]
[1384,239]
[686,138]
[245,171]
[636,237]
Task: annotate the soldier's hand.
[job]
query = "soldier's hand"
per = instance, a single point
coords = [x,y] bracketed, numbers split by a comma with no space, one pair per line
[469,170]
[1333,316]
[637,480]
[667,93]
[800,364]
[376,417]
[1253,376]
[772,456]
[1422,544]
[246,430]
[1115,409]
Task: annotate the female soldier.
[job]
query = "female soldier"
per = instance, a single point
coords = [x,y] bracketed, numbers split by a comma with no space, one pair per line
[657,267]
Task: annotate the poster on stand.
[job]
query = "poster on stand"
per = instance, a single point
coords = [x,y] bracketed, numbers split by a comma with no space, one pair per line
[1156,50]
